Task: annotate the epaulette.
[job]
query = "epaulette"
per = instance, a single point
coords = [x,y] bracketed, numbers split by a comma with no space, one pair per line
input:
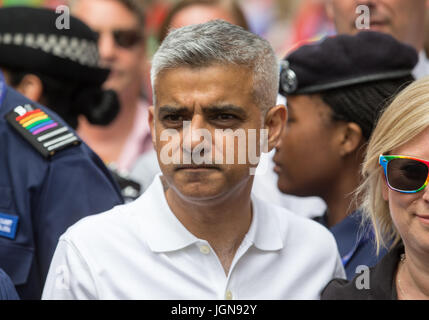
[37,127]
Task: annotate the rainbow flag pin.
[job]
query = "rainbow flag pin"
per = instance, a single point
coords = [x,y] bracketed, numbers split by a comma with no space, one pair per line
[44,133]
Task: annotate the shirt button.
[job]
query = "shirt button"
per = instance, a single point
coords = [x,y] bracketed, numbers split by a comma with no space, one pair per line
[228,295]
[205,249]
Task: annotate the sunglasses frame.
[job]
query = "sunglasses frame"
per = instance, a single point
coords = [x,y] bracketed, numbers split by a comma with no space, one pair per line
[384,160]
[115,34]
[136,33]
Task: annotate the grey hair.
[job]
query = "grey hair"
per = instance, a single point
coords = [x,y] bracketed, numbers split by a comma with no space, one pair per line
[219,42]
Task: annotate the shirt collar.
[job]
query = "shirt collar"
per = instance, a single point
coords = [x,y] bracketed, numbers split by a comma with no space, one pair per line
[264,230]
[421,69]
[164,232]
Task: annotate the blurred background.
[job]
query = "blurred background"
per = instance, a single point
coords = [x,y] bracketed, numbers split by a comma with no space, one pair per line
[284,23]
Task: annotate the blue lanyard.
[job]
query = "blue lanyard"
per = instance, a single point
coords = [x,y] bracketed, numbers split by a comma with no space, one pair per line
[2,88]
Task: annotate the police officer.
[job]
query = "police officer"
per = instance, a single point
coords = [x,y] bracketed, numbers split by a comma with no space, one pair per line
[336,90]
[58,66]
[49,178]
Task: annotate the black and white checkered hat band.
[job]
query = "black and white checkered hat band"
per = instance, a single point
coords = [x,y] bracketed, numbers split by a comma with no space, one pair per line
[81,51]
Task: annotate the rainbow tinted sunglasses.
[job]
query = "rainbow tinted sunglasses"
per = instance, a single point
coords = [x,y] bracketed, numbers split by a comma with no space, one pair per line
[405,174]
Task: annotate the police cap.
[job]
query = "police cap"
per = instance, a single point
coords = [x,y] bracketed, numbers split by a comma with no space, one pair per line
[38,40]
[345,60]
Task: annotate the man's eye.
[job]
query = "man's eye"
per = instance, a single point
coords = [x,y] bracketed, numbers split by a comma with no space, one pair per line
[172,118]
[224,117]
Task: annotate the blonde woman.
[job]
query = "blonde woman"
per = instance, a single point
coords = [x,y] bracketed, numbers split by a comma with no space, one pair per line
[396,200]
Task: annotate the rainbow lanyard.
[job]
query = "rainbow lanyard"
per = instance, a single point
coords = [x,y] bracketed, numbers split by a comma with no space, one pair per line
[2,88]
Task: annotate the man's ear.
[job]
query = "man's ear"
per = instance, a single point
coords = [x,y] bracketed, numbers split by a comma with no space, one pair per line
[351,138]
[31,86]
[275,121]
[152,124]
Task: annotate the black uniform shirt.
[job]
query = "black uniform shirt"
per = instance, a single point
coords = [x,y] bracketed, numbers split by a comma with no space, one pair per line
[381,281]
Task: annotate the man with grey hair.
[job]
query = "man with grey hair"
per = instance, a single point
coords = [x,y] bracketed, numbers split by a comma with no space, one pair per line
[197,232]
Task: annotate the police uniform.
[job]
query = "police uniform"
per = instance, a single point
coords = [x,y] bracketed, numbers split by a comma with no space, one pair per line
[30,43]
[355,243]
[342,63]
[49,180]
[7,290]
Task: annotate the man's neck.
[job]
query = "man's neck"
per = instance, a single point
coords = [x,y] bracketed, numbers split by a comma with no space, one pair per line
[222,222]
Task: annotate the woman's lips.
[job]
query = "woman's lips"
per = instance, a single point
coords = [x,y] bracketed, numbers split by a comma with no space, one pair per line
[423,218]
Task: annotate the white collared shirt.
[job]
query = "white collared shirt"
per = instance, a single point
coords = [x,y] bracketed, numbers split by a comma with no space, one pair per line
[422,67]
[141,251]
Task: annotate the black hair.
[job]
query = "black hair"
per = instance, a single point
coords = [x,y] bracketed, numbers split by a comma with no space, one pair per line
[363,103]
[71,99]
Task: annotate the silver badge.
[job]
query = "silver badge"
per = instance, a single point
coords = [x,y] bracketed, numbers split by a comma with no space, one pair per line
[288,79]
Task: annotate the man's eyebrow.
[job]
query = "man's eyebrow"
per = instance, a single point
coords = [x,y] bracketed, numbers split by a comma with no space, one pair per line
[170,109]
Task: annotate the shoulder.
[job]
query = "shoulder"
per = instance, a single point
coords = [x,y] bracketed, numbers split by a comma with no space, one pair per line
[99,230]
[375,283]
[364,286]
[340,289]
[294,223]
[49,142]
[126,223]
[299,232]
[36,129]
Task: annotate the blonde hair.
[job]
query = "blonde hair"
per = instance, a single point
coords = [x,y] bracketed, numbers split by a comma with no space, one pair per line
[402,120]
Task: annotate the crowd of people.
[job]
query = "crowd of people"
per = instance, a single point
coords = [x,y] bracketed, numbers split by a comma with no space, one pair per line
[239,175]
